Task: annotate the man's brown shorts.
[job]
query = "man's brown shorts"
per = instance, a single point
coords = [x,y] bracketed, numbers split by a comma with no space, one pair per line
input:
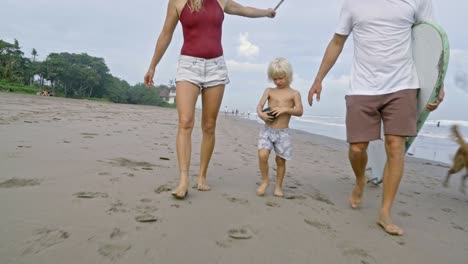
[364,114]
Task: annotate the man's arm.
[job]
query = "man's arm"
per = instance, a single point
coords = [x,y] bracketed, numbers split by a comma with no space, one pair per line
[331,55]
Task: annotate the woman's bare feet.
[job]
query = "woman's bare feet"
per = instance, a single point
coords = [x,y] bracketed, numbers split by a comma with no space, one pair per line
[202,186]
[356,194]
[278,192]
[262,189]
[181,191]
[389,227]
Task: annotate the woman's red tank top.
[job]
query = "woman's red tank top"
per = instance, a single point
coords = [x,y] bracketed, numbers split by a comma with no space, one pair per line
[202,30]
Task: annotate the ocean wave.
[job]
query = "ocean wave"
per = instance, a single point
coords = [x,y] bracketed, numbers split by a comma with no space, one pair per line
[461,123]
[320,122]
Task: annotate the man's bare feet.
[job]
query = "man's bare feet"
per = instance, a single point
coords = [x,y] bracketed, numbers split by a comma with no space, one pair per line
[356,194]
[202,186]
[262,189]
[388,227]
[278,192]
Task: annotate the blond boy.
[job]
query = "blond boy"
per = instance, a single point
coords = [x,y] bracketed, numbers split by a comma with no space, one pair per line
[283,102]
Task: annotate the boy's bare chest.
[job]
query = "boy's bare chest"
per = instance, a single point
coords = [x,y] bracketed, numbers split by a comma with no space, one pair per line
[281,98]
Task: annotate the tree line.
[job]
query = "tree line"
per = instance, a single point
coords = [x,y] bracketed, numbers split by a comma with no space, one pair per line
[72,75]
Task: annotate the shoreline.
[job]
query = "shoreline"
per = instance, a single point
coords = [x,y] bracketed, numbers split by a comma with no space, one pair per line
[79,177]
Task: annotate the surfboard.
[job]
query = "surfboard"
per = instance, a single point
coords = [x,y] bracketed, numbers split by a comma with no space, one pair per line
[431,56]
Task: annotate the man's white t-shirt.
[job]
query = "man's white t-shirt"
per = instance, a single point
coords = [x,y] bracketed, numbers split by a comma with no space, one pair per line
[383,59]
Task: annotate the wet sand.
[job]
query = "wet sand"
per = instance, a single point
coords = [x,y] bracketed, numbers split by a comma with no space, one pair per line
[89,182]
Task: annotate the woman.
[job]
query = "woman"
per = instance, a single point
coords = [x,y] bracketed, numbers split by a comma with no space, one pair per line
[201,67]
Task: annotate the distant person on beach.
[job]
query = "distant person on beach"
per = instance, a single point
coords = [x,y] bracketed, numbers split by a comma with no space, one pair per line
[201,67]
[383,87]
[283,102]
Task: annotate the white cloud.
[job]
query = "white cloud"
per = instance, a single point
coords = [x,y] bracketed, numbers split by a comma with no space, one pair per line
[246,48]
[246,67]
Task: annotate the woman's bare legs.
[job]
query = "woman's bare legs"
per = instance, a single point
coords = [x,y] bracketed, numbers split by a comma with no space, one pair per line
[186,98]
[211,101]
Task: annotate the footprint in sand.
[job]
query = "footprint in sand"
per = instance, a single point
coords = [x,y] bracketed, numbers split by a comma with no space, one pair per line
[163,188]
[224,244]
[89,134]
[320,197]
[237,200]
[272,204]
[360,253]
[91,195]
[240,233]
[17,183]
[117,207]
[404,214]
[318,225]
[457,227]
[43,239]
[146,218]
[114,251]
[117,234]
[448,210]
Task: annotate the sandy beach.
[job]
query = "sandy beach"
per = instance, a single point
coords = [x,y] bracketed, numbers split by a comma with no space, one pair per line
[89,182]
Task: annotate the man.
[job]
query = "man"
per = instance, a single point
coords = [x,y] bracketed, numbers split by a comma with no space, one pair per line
[383,87]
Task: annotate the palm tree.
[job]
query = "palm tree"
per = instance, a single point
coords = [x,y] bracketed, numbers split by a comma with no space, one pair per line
[34,54]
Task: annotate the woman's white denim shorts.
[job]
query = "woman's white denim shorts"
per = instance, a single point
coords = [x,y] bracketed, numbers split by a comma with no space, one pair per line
[202,72]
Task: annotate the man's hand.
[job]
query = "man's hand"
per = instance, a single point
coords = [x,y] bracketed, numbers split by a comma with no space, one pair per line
[316,89]
[149,78]
[433,106]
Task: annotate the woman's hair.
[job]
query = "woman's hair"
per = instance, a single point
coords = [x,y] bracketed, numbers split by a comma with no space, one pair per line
[279,68]
[195,5]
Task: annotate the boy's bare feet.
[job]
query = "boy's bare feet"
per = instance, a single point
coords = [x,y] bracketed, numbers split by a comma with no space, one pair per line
[278,192]
[392,229]
[356,194]
[262,189]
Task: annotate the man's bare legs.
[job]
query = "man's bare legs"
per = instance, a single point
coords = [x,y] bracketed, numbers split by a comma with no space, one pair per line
[395,148]
[358,158]
[211,102]
[263,155]
[186,98]
[280,171]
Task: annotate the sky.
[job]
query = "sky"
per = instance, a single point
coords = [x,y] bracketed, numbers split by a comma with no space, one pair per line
[124,33]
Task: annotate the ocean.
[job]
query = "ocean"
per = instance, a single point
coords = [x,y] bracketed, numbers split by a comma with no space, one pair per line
[434,142]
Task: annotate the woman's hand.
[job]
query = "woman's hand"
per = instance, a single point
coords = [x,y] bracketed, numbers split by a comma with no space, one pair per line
[149,78]
[271,13]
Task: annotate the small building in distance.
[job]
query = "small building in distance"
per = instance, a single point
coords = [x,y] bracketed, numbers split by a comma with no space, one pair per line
[168,94]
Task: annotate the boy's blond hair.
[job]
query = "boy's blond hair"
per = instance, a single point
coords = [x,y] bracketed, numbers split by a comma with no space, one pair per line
[279,68]
[195,5]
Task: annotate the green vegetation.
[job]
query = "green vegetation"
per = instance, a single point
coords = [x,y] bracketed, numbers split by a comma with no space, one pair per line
[69,75]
